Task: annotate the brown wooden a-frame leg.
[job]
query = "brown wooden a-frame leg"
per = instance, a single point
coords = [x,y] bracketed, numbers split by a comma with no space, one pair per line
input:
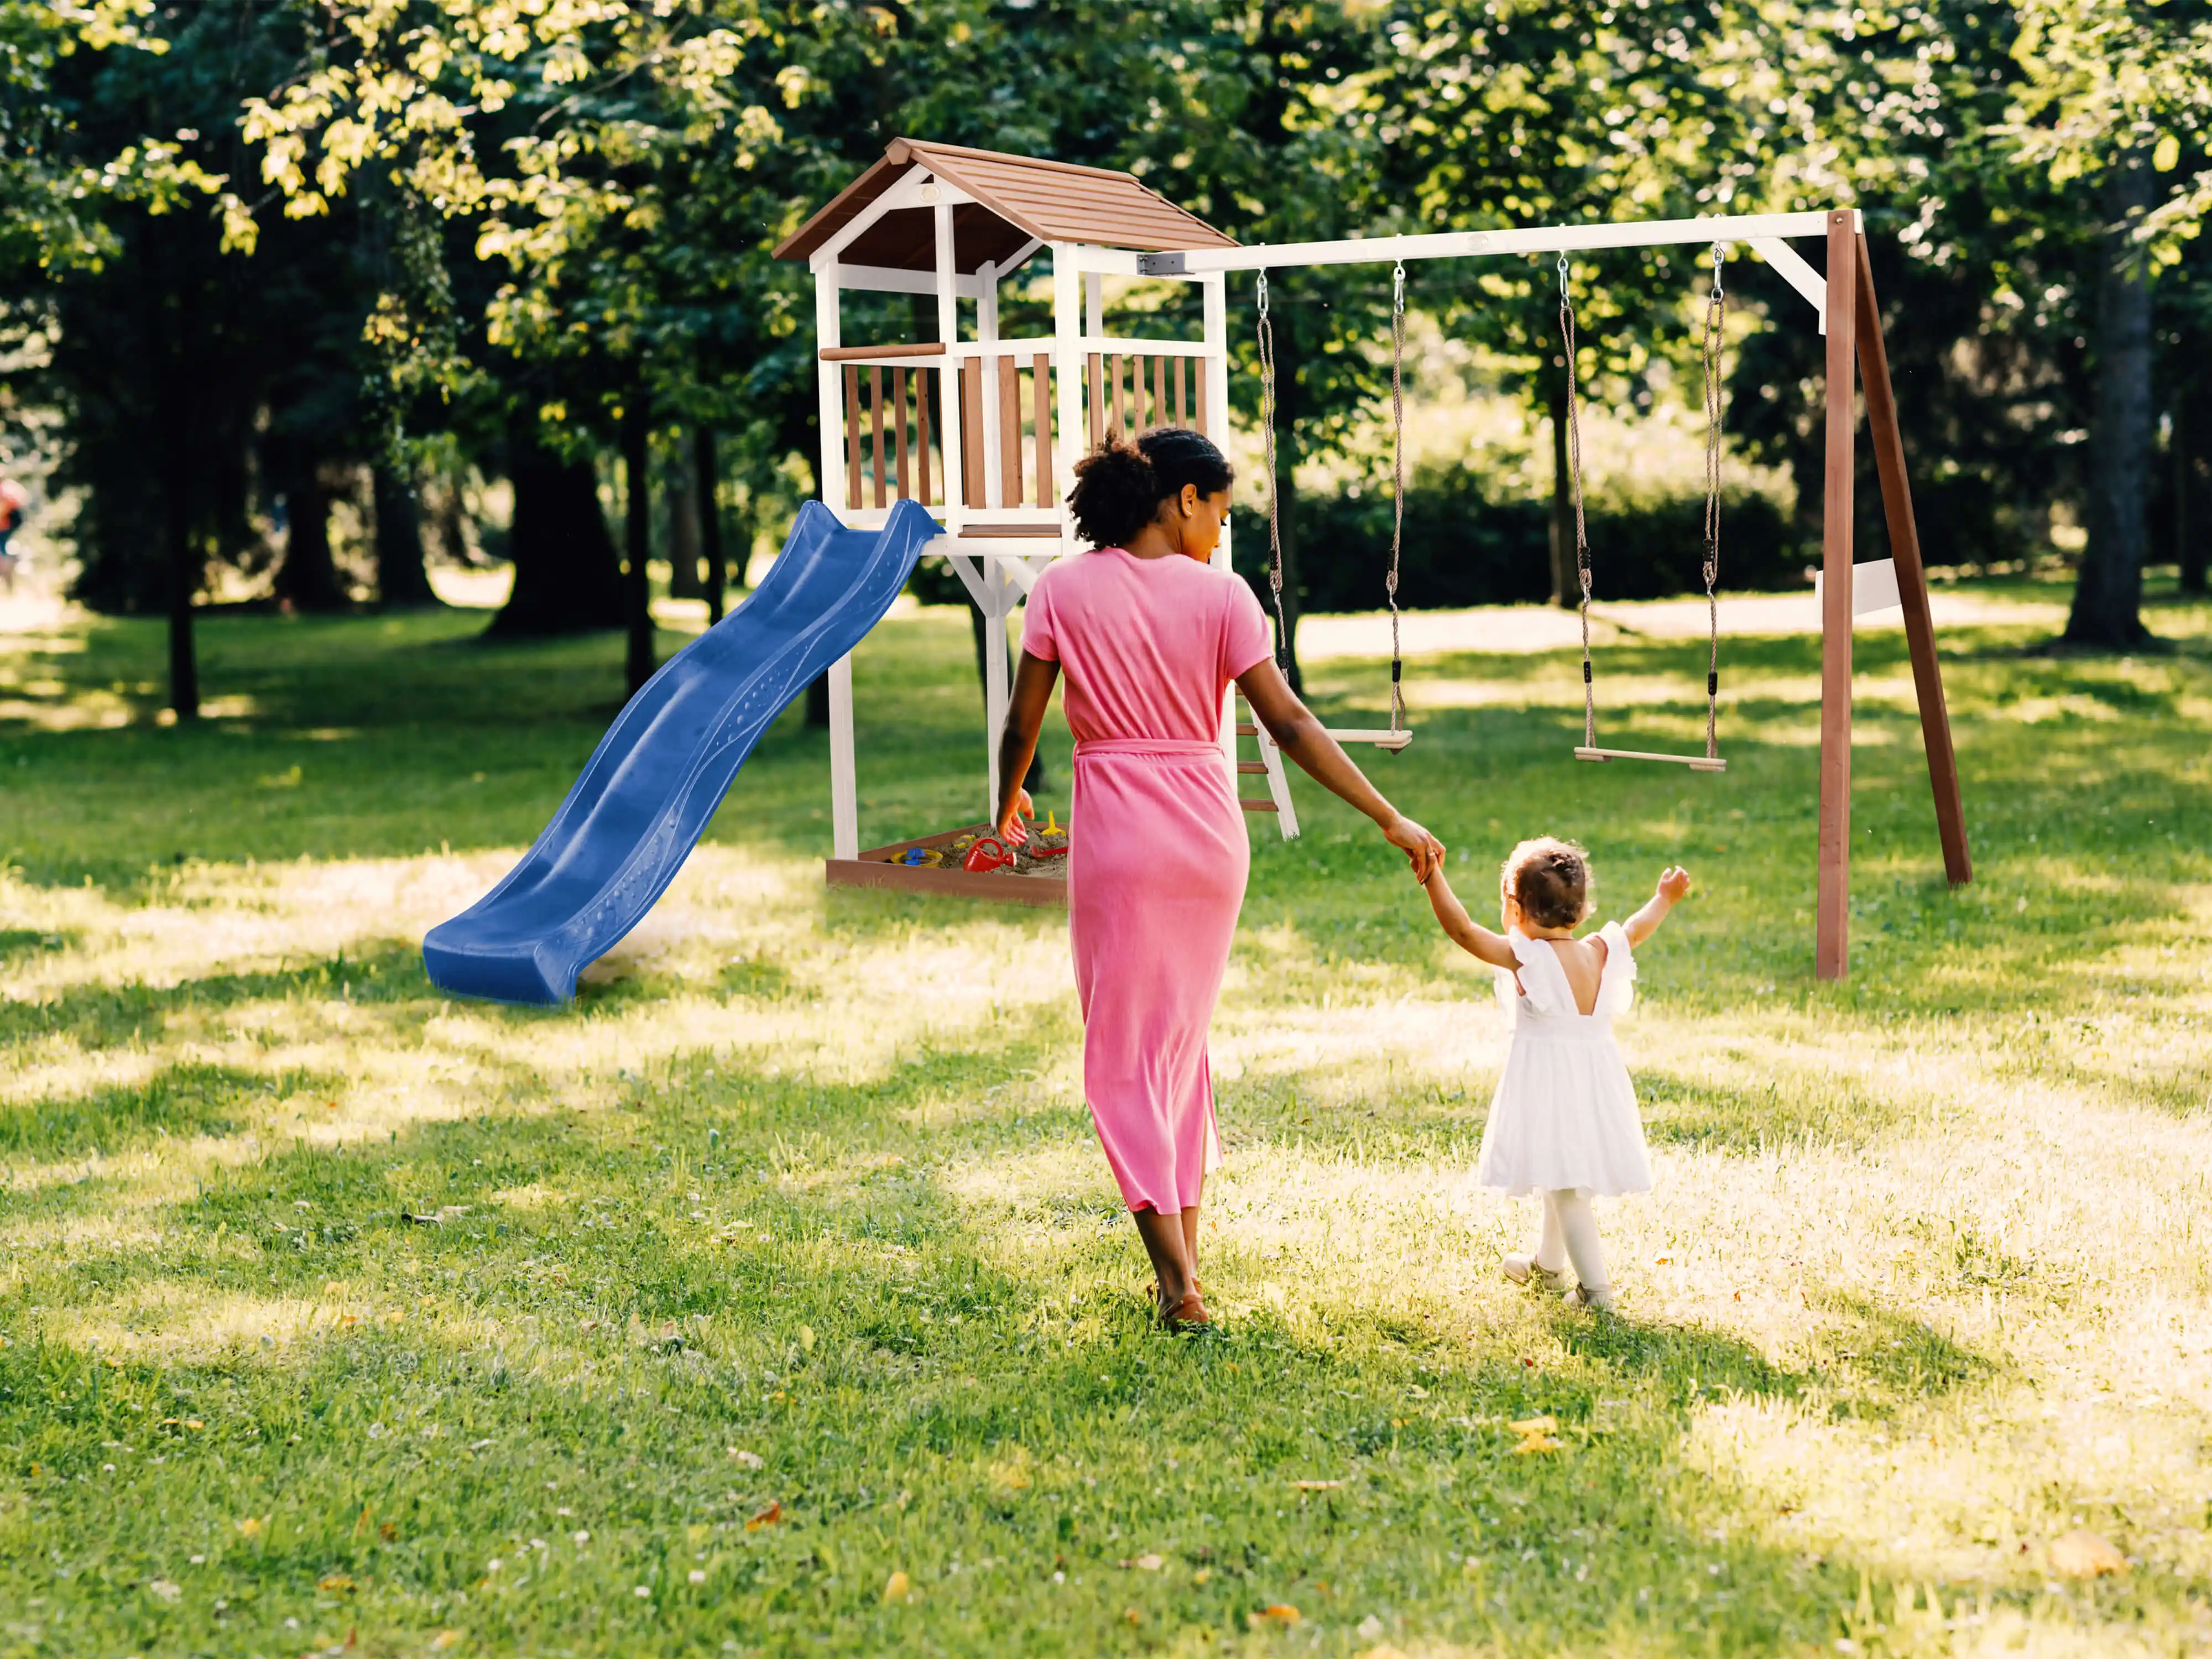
[1912,579]
[1832,905]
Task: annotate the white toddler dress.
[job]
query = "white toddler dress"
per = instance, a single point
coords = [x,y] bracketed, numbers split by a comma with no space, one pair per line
[1565,1114]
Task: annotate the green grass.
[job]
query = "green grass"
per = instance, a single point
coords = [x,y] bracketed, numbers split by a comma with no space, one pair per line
[338,1312]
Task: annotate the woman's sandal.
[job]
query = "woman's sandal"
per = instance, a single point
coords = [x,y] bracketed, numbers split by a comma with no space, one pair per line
[1189,1313]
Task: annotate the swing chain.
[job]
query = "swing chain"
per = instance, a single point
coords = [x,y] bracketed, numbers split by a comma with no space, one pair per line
[1266,343]
[1397,485]
[1575,486]
[1716,323]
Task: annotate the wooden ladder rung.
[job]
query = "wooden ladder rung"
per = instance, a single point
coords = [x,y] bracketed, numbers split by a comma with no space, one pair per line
[1252,805]
[1244,730]
[1695,762]
[1251,766]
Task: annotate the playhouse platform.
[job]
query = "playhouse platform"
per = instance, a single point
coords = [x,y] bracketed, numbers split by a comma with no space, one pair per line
[880,866]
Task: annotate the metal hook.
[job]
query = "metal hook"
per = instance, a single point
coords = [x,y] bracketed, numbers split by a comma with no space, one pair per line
[1398,286]
[1263,293]
[1563,270]
[1720,258]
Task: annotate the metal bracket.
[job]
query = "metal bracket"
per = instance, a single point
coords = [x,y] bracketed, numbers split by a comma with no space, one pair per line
[1169,264]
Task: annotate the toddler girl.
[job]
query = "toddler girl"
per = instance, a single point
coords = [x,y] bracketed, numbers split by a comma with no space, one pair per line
[1563,1122]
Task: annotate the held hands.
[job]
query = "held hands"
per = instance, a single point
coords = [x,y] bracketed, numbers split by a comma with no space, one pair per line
[1010,826]
[1674,883]
[1422,850]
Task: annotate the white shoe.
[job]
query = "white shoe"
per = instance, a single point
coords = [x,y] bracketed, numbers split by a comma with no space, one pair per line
[1522,1268]
[1582,1297]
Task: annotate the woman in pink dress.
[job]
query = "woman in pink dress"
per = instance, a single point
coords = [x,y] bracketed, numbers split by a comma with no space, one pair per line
[1150,636]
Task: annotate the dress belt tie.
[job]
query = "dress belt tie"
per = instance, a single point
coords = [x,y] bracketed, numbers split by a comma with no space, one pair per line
[1163,746]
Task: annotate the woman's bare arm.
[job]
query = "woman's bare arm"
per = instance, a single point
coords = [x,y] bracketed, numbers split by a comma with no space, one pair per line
[1470,935]
[1321,757]
[1034,679]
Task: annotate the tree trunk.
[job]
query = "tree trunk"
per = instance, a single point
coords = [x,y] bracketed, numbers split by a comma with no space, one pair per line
[1566,581]
[706,478]
[184,583]
[2108,597]
[308,578]
[566,578]
[680,490]
[637,504]
[1285,483]
[402,580]
[2188,535]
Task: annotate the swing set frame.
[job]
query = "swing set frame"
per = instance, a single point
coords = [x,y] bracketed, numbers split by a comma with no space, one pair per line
[952,224]
[1856,360]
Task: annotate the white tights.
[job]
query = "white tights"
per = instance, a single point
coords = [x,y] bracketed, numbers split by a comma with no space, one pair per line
[1569,1233]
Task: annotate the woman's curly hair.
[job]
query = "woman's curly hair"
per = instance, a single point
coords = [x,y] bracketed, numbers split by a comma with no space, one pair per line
[1120,485]
[1551,879]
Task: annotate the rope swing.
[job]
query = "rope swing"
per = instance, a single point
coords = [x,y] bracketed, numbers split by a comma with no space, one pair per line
[1395,736]
[1715,320]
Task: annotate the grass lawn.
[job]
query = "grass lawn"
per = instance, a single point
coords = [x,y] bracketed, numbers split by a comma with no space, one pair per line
[775,1299]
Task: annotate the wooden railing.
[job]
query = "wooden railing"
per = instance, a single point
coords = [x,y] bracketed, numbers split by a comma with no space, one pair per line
[1105,375]
[895,409]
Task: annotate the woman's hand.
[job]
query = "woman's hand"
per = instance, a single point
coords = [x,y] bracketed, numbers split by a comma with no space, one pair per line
[1422,850]
[1010,826]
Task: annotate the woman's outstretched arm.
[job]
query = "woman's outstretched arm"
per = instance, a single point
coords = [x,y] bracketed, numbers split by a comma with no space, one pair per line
[1300,736]
[1033,682]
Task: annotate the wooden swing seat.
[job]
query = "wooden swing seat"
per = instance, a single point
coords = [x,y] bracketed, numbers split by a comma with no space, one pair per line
[1695,762]
[1380,737]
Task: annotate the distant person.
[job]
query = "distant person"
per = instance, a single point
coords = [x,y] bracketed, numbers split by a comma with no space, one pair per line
[1563,1124]
[14,498]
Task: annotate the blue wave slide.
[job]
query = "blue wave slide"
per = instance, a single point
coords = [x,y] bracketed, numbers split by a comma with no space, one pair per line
[663,767]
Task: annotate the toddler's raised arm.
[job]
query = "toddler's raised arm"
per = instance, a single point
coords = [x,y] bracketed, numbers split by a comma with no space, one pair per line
[1467,934]
[1674,882]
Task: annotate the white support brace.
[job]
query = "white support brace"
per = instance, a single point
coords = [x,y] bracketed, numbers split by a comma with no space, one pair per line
[917,189]
[1789,266]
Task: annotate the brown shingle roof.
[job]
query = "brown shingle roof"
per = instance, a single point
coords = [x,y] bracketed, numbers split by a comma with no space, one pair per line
[1016,197]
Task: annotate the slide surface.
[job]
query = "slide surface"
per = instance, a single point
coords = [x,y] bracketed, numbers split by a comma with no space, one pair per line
[663,767]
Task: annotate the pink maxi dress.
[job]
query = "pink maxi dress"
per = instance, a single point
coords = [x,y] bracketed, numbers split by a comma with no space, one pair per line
[1157,857]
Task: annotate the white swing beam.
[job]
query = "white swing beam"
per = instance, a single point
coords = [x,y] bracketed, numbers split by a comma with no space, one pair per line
[1765,232]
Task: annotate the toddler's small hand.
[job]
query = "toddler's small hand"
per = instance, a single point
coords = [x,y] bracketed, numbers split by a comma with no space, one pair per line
[1674,882]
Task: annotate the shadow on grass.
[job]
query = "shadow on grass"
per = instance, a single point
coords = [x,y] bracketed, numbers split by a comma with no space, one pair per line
[180,1100]
[99,1016]
[1702,1116]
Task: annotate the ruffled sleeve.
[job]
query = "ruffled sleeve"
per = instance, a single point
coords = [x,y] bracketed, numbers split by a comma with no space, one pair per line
[1616,987]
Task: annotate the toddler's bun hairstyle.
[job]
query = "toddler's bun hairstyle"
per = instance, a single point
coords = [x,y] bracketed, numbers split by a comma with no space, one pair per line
[1120,485]
[1551,878]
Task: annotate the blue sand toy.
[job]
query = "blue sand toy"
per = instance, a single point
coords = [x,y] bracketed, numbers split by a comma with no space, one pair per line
[663,767]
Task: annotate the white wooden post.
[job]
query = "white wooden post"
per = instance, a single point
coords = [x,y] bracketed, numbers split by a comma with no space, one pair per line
[844,783]
[844,791]
[1068,369]
[1094,304]
[948,330]
[986,335]
[829,334]
[1002,591]
[1214,294]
